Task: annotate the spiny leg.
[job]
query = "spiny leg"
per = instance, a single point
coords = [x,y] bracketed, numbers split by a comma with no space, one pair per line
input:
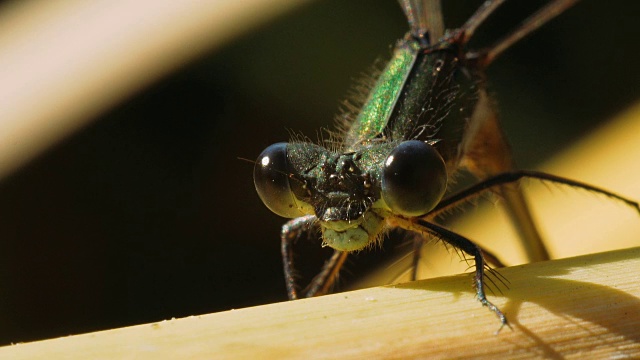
[419,241]
[505,186]
[291,231]
[514,176]
[462,243]
[321,283]
[474,250]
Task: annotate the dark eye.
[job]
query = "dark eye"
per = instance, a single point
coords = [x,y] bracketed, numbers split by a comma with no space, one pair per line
[271,178]
[414,178]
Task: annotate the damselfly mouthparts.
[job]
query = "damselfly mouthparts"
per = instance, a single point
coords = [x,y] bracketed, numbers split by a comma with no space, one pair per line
[426,116]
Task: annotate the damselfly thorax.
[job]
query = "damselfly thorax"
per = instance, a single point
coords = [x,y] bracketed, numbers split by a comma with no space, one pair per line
[427,116]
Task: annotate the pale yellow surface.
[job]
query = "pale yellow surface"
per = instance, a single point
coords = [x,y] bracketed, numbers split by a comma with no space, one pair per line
[569,308]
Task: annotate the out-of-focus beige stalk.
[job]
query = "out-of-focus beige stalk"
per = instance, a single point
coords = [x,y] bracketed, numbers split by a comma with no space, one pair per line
[64,61]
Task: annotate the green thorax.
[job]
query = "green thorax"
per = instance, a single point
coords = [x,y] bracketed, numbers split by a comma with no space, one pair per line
[377,110]
[424,93]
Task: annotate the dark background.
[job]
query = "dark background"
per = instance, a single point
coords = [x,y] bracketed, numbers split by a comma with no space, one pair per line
[147,214]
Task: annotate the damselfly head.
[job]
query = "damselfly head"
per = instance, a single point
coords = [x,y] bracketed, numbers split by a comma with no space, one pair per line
[351,194]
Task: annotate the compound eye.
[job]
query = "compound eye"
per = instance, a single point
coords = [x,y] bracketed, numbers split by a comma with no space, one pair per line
[414,178]
[271,178]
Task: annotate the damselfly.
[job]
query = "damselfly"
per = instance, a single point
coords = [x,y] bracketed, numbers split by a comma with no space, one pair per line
[426,116]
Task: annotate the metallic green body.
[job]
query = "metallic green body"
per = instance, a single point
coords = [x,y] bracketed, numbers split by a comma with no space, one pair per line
[424,93]
[377,110]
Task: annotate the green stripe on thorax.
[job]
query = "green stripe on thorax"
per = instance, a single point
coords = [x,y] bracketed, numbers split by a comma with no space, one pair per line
[377,110]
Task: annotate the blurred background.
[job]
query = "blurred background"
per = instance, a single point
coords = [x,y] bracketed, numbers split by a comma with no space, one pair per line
[145,212]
